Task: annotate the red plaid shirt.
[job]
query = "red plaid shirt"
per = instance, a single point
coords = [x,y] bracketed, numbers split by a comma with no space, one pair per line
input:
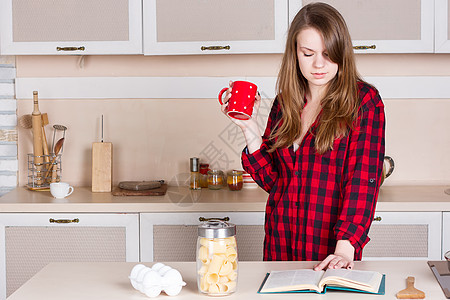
[315,200]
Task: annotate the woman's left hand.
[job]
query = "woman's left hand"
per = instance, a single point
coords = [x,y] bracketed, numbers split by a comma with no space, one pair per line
[342,257]
[334,261]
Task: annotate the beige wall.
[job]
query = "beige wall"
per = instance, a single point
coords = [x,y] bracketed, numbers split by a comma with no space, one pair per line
[154,138]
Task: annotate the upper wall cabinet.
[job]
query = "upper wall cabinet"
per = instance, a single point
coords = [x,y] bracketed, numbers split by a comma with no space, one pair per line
[70,27]
[442,27]
[214,26]
[385,26]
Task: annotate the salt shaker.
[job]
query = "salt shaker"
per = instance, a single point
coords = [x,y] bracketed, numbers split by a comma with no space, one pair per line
[217,258]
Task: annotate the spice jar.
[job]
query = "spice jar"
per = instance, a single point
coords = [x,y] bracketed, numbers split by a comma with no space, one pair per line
[235,180]
[204,175]
[215,179]
[217,259]
[195,175]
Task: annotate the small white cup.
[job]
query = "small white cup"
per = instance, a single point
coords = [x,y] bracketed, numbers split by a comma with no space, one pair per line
[60,190]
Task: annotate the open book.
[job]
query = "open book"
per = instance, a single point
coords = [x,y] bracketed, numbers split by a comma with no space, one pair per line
[308,280]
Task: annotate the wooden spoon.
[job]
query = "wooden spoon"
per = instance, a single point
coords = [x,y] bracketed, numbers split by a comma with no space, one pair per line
[410,292]
[44,118]
[58,147]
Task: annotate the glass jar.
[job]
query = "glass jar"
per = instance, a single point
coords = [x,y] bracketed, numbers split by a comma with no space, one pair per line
[215,179]
[204,168]
[195,175]
[217,258]
[235,180]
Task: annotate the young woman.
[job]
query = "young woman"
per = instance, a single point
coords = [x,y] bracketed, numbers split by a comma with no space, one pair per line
[321,155]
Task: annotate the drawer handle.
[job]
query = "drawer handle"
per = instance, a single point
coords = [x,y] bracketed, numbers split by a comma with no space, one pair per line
[365,47]
[202,219]
[378,219]
[64,220]
[82,48]
[215,48]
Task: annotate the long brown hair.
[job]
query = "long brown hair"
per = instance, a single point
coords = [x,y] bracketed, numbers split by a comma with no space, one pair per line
[340,105]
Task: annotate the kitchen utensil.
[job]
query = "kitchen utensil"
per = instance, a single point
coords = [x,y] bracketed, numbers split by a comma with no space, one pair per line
[140,185]
[102,170]
[25,121]
[240,105]
[60,190]
[44,117]
[58,127]
[161,191]
[441,273]
[385,174]
[58,147]
[37,137]
[410,292]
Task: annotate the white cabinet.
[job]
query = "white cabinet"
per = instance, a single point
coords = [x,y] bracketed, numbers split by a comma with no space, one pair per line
[173,236]
[214,26]
[70,27]
[385,26]
[30,241]
[442,26]
[404,236]
[445,233]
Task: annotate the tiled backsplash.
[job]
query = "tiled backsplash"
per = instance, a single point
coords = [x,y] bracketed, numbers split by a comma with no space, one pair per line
[8,122]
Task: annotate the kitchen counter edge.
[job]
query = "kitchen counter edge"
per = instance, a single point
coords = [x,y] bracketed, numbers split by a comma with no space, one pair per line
[181,199]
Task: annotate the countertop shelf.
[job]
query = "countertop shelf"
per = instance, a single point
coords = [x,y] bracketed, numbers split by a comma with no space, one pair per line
[181,199]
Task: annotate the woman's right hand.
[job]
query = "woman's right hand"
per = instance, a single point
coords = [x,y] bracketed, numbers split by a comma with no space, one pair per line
[243,124]
[249,127]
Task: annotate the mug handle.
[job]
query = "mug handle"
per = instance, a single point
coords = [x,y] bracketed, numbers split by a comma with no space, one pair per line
[70,191]
[220,95]
[390,160]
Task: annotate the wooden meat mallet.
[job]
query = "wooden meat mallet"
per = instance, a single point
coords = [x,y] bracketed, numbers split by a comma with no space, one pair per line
[410,292]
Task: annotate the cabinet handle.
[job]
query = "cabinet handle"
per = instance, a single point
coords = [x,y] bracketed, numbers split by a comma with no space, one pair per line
[215,47]
[378,219]
[364,47]
[82,48]
[64,221]
[202,219]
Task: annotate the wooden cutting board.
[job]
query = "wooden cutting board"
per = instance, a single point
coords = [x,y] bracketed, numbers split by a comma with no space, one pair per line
[161,191]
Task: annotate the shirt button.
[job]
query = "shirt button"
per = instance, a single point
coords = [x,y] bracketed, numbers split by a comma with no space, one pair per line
[297,173]
[372,180]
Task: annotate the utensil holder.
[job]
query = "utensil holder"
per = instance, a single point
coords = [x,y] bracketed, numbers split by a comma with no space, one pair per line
[37,172]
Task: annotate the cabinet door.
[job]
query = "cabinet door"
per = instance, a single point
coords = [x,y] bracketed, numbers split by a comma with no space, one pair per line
[28,242]
[173,236]
[442,27]
[404,235]
[70,27]
[384,26]
[214,26]
[445,233]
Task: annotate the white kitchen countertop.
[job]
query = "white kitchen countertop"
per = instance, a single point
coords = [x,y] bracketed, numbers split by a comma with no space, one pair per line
[181,199]
[74,281]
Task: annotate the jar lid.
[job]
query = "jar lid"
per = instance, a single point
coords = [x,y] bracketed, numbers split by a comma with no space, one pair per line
[235,172]
[214,228]
[194,161]
[215,172]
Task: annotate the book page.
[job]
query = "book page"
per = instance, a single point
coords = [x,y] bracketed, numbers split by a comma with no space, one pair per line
[362,280]
[291,280]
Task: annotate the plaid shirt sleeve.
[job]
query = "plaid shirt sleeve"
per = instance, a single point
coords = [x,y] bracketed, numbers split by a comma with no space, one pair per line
[362,172]
[260,164]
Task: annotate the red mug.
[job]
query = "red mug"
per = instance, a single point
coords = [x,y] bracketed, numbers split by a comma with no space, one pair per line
[240,105]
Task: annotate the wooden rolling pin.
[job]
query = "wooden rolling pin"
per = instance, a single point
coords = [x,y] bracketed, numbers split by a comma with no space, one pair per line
[38,150]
